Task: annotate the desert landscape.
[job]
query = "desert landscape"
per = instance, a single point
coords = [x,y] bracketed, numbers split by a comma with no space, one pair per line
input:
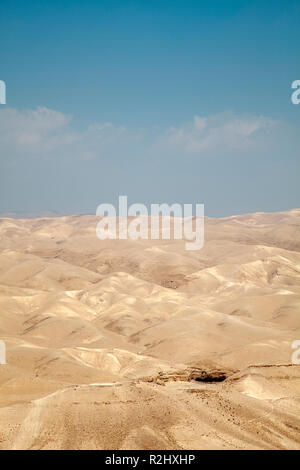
[123,344]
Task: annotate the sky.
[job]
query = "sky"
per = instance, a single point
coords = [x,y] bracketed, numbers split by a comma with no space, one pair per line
[162,101]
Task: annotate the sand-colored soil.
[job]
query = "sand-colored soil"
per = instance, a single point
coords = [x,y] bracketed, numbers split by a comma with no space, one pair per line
[125,344]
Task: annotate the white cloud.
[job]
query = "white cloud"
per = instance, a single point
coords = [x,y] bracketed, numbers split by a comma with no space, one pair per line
[49,134]
[31,131]
[219,132]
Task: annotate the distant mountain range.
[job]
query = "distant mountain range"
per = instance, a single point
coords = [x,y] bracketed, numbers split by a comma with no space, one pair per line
[32,215]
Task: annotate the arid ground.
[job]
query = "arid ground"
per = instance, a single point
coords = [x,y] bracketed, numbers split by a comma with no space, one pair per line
[145,345]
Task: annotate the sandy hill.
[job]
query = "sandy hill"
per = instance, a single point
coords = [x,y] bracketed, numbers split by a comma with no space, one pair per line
[145,345]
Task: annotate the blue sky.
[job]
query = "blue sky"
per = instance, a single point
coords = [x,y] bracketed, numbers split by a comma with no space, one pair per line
[165,101]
